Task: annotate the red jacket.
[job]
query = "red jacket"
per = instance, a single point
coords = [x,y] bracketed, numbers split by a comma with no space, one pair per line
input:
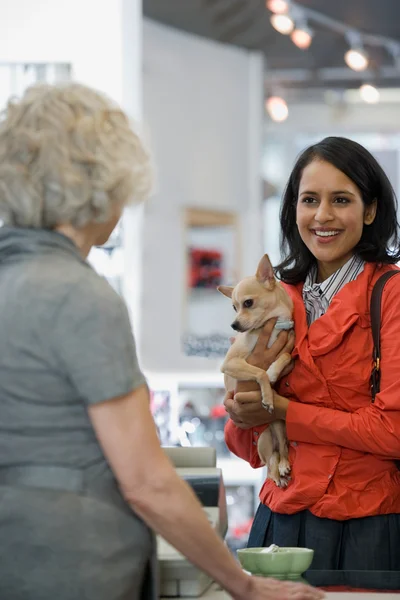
[342,446]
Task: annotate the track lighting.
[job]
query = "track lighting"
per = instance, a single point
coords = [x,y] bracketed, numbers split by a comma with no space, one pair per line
[282,23]
[279,7]
[369,93]
[277,108]
[302,36]
[356,58]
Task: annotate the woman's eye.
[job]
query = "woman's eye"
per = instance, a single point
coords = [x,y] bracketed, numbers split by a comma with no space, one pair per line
[234,308]
[308,200]
[342,200]
[248,303]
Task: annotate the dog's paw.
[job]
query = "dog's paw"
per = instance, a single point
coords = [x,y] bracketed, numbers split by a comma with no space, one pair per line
[284,468]
[268,406]
[284,482]
[281,482]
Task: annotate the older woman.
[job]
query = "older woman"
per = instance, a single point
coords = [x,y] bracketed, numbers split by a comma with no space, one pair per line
[82,474]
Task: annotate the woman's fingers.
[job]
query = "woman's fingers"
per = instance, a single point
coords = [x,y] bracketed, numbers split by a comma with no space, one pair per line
[248,397]
[290,343]
[287,369]
[280,344]
[265,334]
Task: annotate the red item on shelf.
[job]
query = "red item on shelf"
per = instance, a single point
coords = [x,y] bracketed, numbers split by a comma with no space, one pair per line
[205,268]
[217,411]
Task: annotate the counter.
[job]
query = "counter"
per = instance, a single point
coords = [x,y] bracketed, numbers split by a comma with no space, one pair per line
[214,593]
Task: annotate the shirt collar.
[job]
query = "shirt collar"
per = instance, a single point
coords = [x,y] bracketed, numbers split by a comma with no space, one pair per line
[331,286]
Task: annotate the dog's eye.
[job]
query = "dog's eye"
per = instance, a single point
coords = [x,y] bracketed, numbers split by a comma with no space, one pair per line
[234,307]
[248,303]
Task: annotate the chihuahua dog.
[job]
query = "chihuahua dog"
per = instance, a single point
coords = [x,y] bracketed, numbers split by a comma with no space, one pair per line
[255,300]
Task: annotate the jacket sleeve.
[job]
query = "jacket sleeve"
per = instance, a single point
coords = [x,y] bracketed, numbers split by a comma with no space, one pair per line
[243,442]
[375,428]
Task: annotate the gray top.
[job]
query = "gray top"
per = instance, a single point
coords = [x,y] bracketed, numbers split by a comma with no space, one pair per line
[65,343]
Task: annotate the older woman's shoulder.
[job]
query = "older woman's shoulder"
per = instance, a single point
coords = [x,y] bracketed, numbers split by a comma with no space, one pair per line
[74,287]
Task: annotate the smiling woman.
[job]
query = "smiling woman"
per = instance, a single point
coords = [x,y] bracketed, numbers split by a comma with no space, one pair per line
[331,218]
[340,234]
[336,187]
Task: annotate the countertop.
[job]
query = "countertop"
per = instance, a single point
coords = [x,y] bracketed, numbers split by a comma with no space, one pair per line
[216,594]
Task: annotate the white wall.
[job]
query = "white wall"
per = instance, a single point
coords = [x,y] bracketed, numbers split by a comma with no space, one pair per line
[86,33]
[203,107]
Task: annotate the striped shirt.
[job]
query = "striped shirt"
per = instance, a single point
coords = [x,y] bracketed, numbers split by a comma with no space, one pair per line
[318,296]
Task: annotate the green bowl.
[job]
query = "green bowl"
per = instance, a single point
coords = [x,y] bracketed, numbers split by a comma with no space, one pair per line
[284,563]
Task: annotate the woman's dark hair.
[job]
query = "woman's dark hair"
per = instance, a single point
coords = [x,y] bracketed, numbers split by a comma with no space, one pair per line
[379,241]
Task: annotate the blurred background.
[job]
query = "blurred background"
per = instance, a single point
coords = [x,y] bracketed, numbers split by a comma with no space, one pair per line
[226,94]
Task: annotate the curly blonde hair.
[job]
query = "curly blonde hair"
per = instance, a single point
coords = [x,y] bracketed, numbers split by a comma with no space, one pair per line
[67,154]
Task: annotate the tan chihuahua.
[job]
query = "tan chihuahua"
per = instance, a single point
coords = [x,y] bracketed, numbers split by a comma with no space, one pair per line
[255,300]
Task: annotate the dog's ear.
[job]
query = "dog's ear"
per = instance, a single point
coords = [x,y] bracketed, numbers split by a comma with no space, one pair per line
[226,290]
[265,272]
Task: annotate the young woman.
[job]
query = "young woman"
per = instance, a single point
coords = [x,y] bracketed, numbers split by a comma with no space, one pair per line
[340,233]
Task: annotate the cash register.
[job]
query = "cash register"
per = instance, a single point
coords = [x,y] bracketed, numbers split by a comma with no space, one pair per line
[197,466]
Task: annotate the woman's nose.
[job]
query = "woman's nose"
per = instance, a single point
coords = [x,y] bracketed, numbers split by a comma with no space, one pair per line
[324,212]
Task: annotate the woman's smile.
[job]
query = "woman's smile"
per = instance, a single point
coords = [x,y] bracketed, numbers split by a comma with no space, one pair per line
[330,215]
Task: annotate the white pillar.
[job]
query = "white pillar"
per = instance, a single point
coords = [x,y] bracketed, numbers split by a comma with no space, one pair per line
[251,208]
[132,68]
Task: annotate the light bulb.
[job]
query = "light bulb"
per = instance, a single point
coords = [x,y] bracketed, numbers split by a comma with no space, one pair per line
[279,7]
[369,93]
[356,59]
[282,23]
[277,108]
[302,37]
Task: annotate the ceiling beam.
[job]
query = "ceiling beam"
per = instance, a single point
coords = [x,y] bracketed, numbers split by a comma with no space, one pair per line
[329,74]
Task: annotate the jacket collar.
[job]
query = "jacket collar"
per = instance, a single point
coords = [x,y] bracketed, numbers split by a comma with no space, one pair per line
[350,304]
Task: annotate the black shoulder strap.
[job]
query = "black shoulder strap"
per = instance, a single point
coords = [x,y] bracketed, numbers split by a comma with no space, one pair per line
[375,311]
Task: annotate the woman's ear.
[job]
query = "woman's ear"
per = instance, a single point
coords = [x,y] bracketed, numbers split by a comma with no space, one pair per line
[370,213]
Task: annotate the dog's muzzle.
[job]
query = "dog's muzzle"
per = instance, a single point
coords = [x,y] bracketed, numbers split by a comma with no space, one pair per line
[237,326]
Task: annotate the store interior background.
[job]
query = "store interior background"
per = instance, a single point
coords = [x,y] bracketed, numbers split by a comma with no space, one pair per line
[195,76]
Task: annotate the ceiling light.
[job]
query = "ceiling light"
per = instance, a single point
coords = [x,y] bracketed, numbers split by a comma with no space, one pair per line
[279,7]
[369,93]
[282,23]
[302,37]
[356,59]
[277,108]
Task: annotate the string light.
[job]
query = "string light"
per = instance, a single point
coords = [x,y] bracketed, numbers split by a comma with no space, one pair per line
[282,23]
[277,108]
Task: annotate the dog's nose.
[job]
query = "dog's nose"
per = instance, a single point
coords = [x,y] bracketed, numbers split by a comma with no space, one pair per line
[236,326]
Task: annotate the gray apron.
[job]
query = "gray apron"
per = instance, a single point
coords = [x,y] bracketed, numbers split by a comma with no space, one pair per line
[67,536]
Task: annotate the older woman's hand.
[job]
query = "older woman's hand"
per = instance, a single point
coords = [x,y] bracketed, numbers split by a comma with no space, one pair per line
[246,411]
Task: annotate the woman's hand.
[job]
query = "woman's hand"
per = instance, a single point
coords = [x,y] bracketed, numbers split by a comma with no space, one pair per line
[263,357]
[246,411]
[264,588]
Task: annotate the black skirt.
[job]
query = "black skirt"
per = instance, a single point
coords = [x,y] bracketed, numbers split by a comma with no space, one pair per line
[359,553]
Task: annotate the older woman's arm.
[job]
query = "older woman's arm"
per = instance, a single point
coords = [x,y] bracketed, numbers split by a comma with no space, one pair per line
[149,483]
[125,429]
